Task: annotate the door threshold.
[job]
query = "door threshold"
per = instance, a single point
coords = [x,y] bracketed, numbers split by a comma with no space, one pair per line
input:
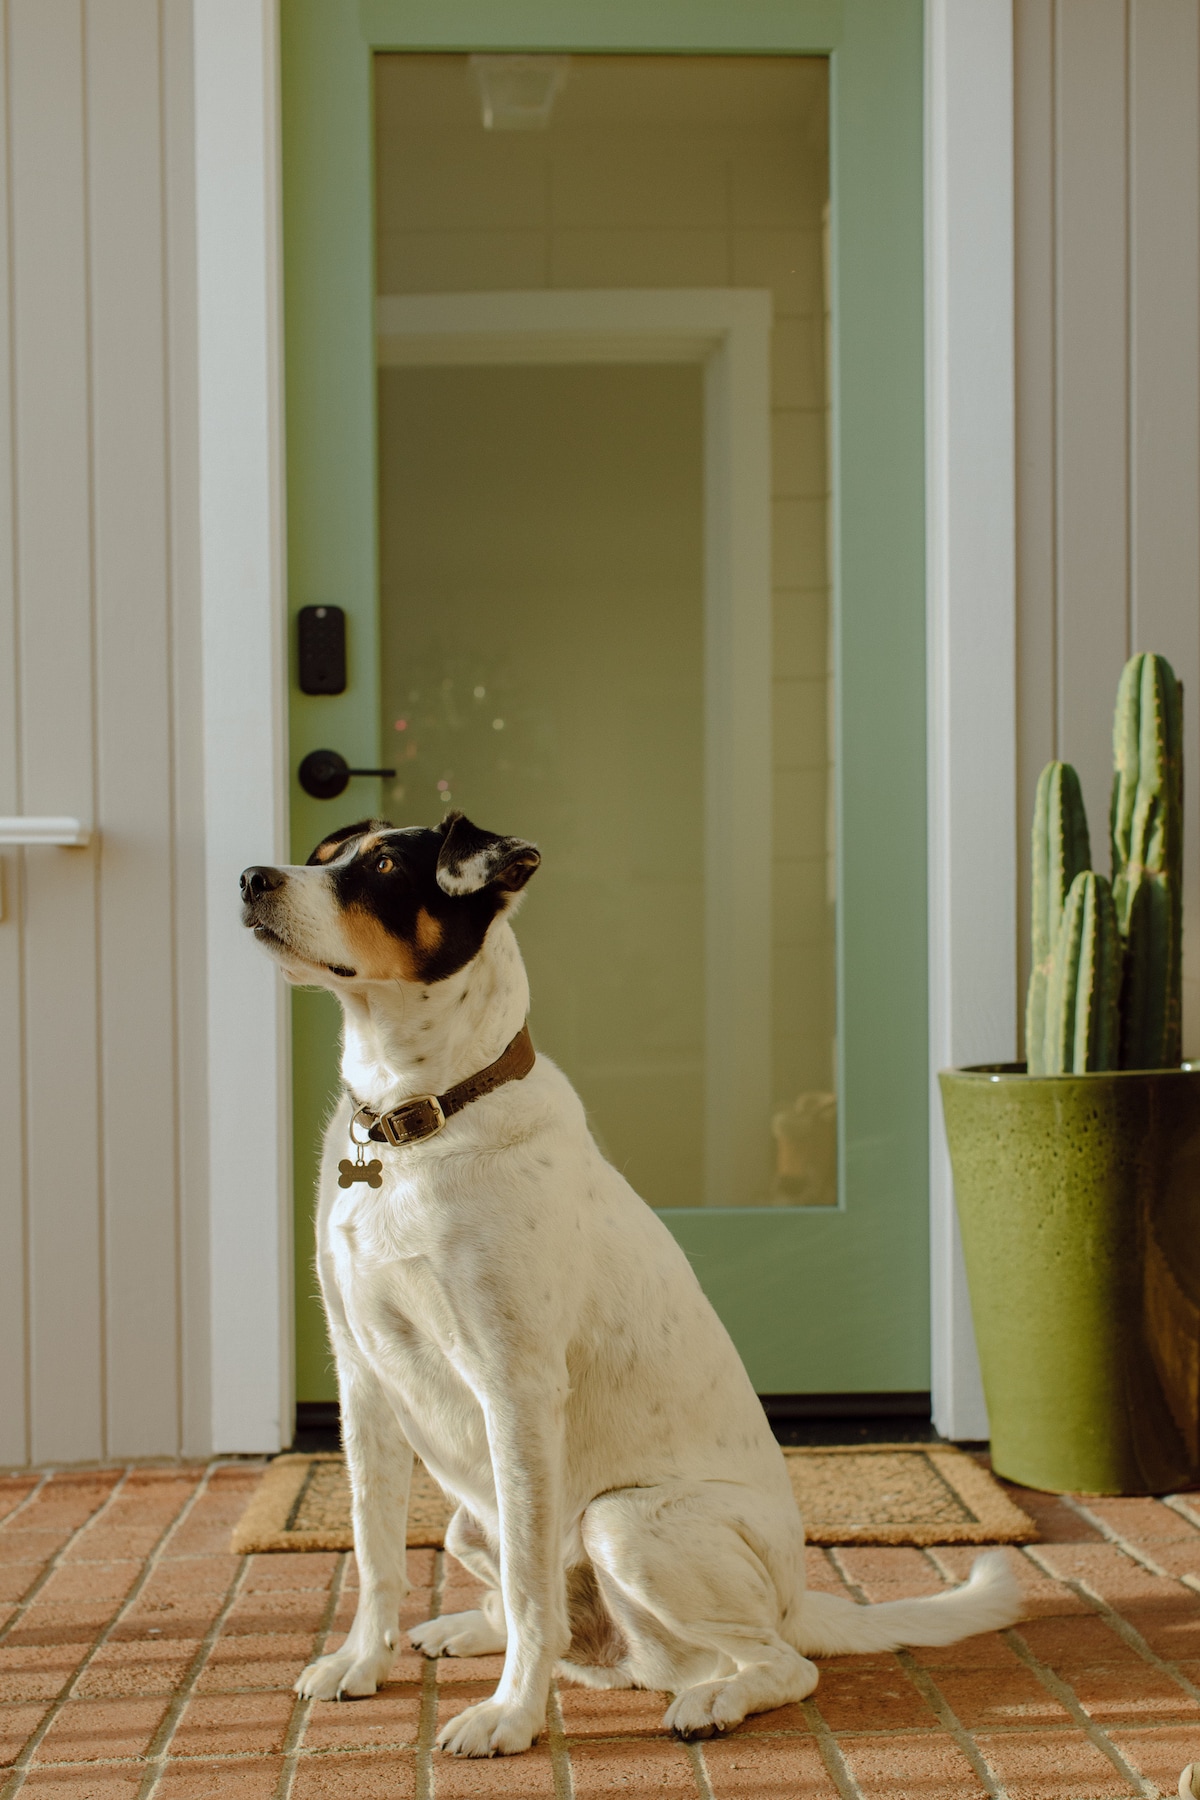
[318,1427]
[887,1418]
[858,1418]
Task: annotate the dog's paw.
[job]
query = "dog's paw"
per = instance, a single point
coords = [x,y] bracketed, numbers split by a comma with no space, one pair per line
[488,1729]
[344,1675]
[458,1634]
[703,1710]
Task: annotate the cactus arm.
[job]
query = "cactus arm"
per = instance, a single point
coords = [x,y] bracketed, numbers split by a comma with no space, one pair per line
[1147,1030]
[1081,1033]
[1097,1018]
[1035,1021]
[1147,847]
[1060,851]
[1058,1040]
[1126,739]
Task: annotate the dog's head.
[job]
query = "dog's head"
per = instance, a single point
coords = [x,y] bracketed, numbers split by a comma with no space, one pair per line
[376,902]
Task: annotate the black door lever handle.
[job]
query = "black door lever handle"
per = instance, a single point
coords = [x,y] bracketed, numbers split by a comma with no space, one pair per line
[324,774]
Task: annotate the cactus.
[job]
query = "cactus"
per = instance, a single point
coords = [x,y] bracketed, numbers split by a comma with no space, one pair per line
[1060,851]
[1106,987]
[1081,1025]
[1147,860]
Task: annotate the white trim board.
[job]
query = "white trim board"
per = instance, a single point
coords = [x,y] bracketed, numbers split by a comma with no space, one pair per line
[244,711]
[727,331]
[971,616]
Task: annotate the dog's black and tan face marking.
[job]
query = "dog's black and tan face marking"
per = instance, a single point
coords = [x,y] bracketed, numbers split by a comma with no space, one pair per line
[376,902]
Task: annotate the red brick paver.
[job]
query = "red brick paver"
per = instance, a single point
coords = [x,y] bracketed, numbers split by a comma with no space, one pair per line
[139,1658]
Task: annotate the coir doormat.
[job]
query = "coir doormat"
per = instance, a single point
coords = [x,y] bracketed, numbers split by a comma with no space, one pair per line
[884,1494]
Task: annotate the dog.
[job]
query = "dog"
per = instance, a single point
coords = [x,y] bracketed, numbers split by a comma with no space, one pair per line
[501,1302]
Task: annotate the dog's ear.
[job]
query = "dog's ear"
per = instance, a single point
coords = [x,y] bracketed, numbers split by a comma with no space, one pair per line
[328,847]
[471,859]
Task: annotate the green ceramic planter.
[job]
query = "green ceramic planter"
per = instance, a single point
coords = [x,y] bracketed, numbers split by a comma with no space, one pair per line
[1079,1200]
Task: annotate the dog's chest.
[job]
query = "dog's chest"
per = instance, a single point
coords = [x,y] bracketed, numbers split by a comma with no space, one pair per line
[391,1264]
[405,1322]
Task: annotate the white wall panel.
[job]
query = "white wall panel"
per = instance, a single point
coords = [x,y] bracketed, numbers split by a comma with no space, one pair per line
[1107,165]
[133,696]
[187,771]
[1164,390]
[55,626]
[1091,342]
[1035,263]
[14,1367]
[103,1208]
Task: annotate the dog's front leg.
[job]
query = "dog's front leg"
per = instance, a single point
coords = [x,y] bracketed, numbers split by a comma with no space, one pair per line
[380,1463]
[525,1440]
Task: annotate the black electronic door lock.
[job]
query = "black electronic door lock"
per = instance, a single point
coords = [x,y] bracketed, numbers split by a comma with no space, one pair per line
[324,774]
[321,649]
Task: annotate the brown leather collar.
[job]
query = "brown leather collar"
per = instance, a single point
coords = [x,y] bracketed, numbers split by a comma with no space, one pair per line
[425,1114]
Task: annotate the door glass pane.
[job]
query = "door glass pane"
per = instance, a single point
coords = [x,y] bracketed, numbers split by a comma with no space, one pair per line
[542,565]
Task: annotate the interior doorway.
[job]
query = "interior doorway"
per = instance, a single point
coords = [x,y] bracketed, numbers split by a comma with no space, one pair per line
[576,626]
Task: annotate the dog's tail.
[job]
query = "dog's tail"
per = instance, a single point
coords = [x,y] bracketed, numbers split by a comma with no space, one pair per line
[829,1625]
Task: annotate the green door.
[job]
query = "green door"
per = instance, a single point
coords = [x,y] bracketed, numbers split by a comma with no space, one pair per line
[550,288]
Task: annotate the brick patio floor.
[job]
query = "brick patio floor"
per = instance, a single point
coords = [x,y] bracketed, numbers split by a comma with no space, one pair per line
[139,1658]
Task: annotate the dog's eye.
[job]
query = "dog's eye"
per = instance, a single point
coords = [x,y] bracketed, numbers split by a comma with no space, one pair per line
[384,865]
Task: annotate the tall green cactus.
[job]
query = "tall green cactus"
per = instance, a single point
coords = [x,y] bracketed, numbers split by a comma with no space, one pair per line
[1081,1025]
[1060,851]
[1106,989]
[1147,859]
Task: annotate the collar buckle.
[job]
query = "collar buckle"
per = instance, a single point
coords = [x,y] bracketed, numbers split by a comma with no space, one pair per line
[420,1117]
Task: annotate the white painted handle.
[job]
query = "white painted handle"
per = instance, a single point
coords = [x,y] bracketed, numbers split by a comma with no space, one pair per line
[43,831]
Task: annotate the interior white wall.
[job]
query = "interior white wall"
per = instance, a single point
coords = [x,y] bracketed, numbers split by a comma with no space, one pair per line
[971,616]
[244,675]
[104,1345]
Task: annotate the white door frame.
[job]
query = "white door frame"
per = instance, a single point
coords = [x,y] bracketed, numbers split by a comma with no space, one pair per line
[244,636]
[971,625]
[728,332]
[970,617]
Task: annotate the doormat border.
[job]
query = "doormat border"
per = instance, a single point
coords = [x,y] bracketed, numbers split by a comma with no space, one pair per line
[264,1525]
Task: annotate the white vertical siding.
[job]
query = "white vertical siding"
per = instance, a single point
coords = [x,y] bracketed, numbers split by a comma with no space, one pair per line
[14,1368]
[133,789]
[103,1341]
[1108,392]
[56,733]
[187,797]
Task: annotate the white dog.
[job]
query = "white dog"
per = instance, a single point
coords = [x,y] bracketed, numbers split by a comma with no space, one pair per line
[503,1303]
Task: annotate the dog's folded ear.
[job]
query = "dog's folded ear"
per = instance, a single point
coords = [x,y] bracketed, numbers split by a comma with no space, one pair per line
[471,859]
[329,846]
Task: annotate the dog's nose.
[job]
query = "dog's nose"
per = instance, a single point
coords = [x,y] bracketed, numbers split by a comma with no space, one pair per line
[259,881]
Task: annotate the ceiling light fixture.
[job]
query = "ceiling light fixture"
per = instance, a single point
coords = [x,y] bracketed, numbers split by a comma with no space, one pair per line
[518,92]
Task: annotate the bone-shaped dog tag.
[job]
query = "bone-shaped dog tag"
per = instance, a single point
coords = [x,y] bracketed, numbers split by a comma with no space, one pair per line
[370,1172]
